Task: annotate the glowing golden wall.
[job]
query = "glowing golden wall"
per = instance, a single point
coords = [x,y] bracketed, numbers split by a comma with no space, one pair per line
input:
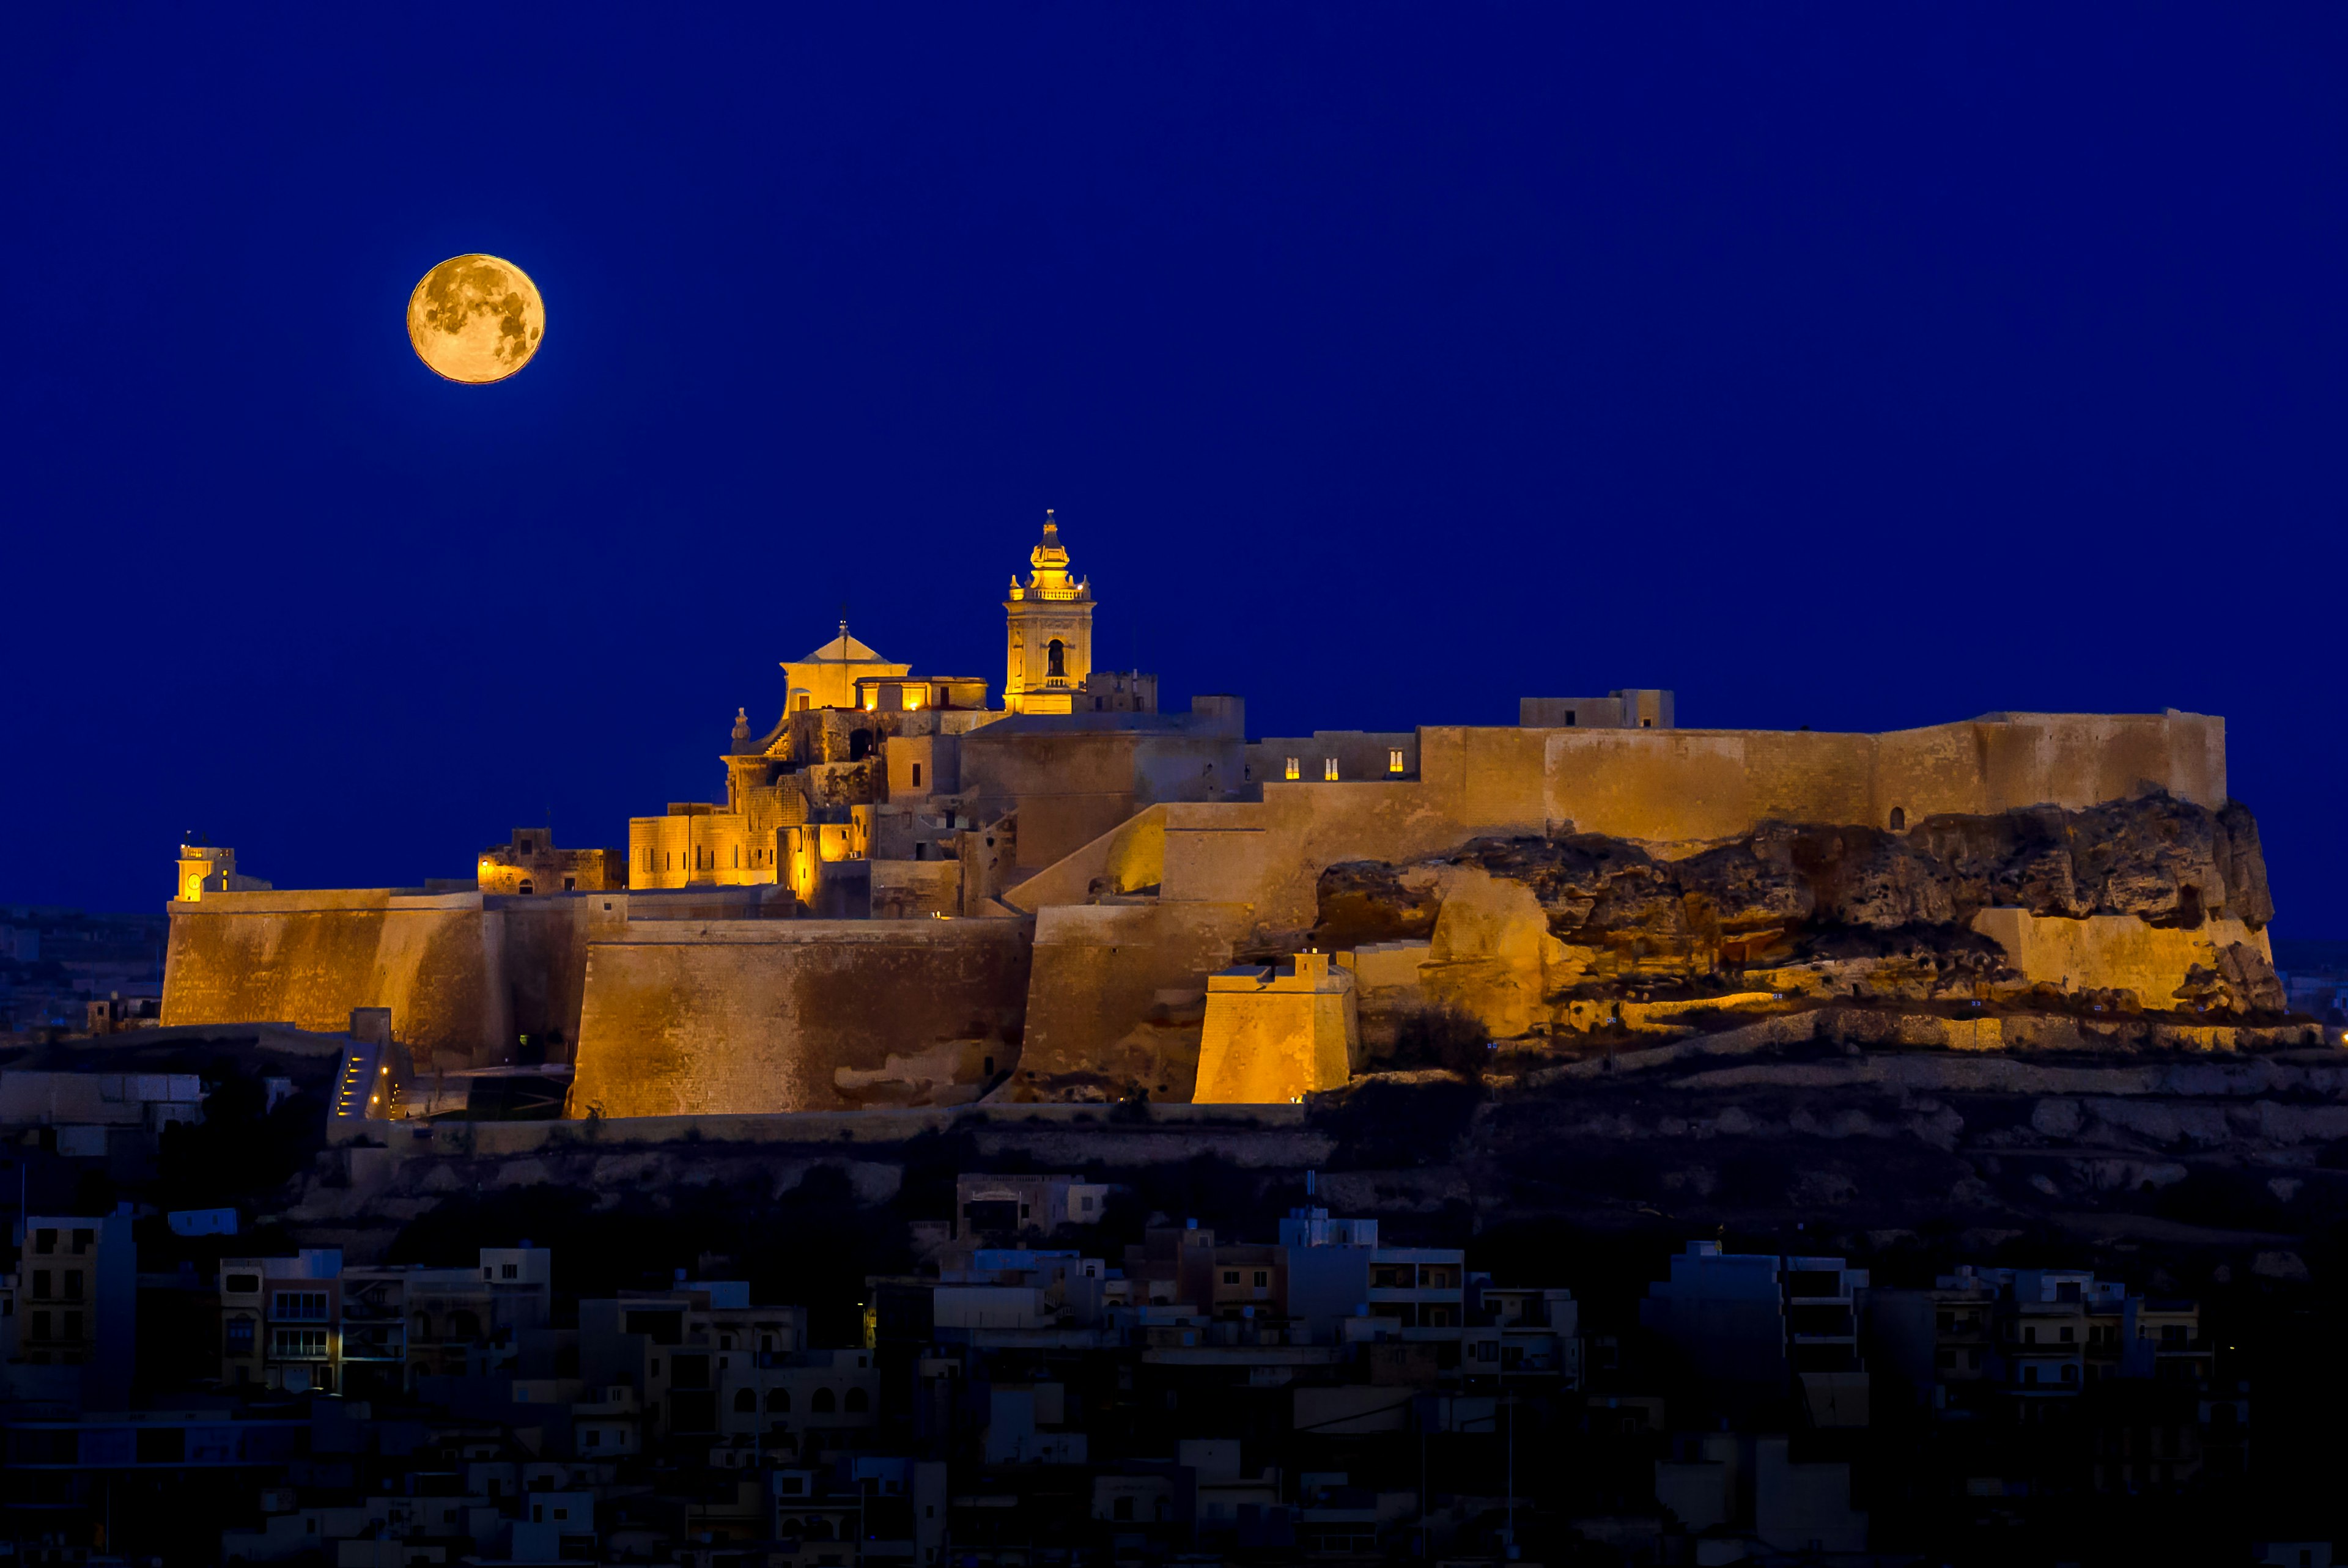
[729,1016]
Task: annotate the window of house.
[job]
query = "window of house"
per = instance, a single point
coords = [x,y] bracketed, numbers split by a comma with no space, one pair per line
[823,1403]
[73,1284]
[44,1284]
[1230,1276]
[82,1240]
[917,775]
[298,1344]
[40,1326]
[240,1337]
[513,1270]
[1899,819]
[1292,772]
[1394,760]
[1262,1277]
[1646,724]
[45,1240]
[1329,768]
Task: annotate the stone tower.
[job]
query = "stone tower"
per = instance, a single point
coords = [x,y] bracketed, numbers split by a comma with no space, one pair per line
[1051,633]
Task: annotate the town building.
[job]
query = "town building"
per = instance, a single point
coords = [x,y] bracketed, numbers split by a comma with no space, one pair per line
[73,1302]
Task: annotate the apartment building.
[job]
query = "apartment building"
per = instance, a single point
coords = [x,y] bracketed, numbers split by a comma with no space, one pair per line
[307,1322]
[74,1302]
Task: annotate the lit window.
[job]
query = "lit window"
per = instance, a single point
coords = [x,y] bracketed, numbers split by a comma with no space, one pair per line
[1291,769]
[1329,768]
[1394,760]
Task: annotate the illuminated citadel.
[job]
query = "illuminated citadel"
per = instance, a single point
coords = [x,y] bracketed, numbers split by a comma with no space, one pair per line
[908,896]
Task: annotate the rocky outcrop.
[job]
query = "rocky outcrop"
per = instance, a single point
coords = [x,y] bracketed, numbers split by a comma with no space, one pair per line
[1513,925]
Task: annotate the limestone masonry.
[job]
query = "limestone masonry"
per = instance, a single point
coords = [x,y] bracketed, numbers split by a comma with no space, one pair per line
[910,897]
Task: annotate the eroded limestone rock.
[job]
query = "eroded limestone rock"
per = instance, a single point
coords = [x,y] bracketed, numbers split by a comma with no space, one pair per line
[1522,933]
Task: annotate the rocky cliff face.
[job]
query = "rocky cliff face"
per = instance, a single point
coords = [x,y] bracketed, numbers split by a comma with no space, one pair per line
[1895,906]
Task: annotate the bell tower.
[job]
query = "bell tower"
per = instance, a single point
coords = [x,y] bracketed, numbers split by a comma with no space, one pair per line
[1050,621]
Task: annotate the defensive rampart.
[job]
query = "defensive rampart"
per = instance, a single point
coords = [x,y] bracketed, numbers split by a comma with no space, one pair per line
[442,963]
[1246,873]
[694,1018]
[466,975]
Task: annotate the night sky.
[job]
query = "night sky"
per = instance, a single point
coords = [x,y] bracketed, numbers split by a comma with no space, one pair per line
[1863,367]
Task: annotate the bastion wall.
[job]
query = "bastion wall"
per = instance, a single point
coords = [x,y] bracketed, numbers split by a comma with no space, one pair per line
[703,1018]
[439,962]
[1246,873]
[465,975]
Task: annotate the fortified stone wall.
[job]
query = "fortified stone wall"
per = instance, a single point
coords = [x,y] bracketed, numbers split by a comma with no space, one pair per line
[737,1017]
[440,963]
[1071,783]
[1118,990]
[1249,871]
[464,974]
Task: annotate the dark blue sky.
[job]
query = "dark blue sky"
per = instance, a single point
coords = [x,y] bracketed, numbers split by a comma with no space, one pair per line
[1862,367]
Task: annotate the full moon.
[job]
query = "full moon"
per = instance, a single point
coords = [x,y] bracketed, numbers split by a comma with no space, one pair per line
[476,319]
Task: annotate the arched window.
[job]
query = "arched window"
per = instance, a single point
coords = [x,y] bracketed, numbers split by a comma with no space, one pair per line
[1899,819]
[1055,660]
[746,1401]
[528,887]
[858,1402]
[822,1402]
[778,1402]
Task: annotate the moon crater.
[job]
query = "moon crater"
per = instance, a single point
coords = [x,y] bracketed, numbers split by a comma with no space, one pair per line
[476,319]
